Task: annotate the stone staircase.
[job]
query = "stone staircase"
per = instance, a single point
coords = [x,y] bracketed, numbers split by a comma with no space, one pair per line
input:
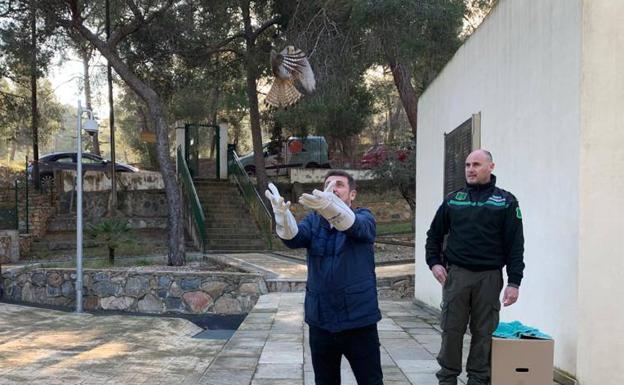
[229,224]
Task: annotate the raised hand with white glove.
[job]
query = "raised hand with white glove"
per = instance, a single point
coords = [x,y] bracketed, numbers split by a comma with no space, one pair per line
[285,223]
[330,206]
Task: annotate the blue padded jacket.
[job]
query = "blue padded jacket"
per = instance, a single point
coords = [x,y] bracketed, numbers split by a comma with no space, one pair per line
[341,291]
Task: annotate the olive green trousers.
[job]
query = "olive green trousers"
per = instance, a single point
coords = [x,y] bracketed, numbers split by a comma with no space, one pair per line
[468,298]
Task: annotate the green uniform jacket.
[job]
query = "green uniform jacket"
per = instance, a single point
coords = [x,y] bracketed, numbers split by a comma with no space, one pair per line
[484,228]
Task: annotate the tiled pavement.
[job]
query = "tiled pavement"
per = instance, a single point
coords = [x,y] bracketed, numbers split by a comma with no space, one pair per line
[41,346]
[408,335]
[270,347]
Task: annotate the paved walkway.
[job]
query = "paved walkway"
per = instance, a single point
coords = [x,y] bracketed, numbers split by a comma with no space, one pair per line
[40,346]
[270,347]
[408,336]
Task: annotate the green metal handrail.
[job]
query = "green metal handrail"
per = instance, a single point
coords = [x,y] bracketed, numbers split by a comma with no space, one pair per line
[256,205]
[191,201]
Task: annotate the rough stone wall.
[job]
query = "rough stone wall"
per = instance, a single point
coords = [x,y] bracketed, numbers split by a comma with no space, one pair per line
[139,203]
[40,209]
[25,244]
[399,287]
[9,246]
[145,292]
[126,181]
[7,194]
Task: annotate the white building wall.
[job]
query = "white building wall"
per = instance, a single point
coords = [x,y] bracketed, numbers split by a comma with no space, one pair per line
[601,262]
[521,70]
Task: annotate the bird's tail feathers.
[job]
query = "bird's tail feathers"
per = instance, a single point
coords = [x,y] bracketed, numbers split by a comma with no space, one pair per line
[282,94]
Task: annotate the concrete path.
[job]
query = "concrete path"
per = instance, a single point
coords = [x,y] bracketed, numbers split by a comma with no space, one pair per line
[279,353]
[270,347]
[42,346]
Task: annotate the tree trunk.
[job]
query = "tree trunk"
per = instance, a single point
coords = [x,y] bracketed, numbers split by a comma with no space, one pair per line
[409,98]
[152,100]
[33,100]
[12,150]
[174,197]
[252,95]
[256,131]
[88,100]
[112,202]
[213,103]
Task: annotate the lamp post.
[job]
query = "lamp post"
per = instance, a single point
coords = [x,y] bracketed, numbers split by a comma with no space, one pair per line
[91,127]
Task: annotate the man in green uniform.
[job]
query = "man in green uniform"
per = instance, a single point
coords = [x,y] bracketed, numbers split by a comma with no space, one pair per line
[483,228]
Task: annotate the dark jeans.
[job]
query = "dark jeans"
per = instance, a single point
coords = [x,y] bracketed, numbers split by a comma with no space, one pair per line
[469,298]
[361,348]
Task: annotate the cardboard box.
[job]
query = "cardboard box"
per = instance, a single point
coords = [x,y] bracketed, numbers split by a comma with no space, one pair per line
[522,361]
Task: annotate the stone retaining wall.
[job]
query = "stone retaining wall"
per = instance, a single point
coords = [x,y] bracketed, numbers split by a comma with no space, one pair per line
[397,287]
[139,203]
[9,246]
[145,292]
[101,181]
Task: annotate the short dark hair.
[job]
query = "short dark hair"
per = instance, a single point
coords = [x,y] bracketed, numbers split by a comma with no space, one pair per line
[350,179]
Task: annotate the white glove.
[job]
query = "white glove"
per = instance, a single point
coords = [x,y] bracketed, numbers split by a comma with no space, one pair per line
[330,206]
[285,223]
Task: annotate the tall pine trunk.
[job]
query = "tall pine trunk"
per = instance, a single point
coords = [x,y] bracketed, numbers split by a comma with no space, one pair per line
[251,72]
[34,121]
[154,104]
[403,82]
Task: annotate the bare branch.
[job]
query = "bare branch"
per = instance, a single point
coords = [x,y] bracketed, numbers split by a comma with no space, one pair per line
[11,95]
[139,22]
[264,26]
[227,41]
[135,10]
[8,9]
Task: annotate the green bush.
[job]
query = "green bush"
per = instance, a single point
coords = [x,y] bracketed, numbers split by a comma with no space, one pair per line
[113,232]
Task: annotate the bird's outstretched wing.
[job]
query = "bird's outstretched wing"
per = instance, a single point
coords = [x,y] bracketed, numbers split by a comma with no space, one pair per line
[289,65]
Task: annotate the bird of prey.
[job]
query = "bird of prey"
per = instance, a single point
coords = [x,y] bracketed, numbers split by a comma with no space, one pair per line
[288,66]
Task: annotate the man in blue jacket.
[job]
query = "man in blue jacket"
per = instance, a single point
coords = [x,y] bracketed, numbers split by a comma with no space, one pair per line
[341,306]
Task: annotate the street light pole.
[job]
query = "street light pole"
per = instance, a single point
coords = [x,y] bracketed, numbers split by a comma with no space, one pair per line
[79,212]
[91,127]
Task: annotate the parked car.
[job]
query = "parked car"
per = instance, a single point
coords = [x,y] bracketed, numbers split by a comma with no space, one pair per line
[67,161]
[308,152]
[378,153]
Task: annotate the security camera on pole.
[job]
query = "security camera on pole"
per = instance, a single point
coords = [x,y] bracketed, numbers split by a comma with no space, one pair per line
[91,127]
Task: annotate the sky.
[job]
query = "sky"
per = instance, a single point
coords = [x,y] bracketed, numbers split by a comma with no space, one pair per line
[66,81]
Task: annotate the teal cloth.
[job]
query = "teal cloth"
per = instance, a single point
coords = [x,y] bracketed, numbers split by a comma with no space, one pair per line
[516,330]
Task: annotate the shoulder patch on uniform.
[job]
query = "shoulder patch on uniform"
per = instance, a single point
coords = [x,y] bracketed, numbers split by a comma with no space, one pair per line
[461,196]
[506,194]
[518,213]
